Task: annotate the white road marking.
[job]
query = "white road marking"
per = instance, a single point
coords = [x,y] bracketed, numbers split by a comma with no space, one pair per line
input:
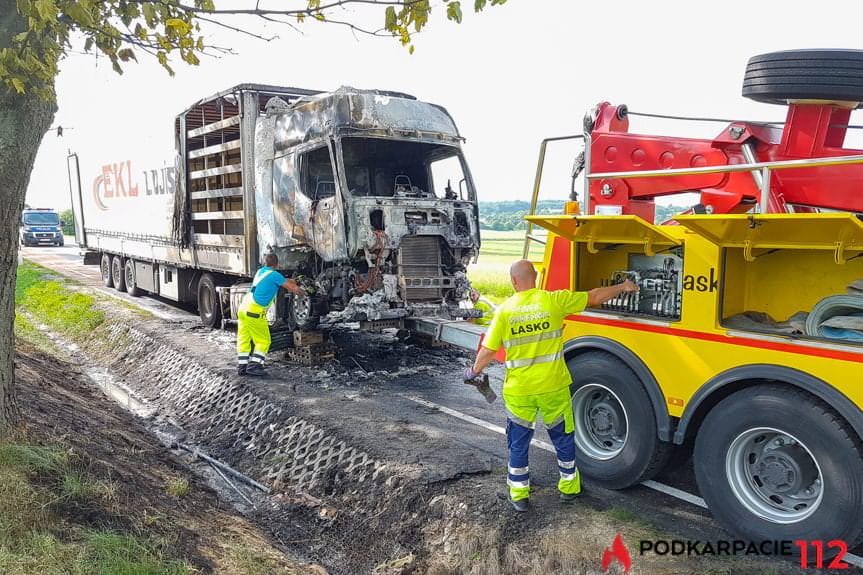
[849,558]
[675,492]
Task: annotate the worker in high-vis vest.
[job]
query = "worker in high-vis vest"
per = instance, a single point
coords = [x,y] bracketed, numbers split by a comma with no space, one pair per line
[529,327]
[253,330]
[482,304]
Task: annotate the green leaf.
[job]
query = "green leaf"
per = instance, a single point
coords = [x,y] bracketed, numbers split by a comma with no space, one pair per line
[453,11]
[149,14]
[47,10]
[126,54]
[79,14]
[391,18]
[17,84]
[180,27]
[478,5]
[24,7]
[200,44]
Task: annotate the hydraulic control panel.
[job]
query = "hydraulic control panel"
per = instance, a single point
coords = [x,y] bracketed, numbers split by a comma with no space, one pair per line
[659,280]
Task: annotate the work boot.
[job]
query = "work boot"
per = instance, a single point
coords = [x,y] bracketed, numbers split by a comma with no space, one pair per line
[241,370]
[568,498]
[520,505]
[256,369]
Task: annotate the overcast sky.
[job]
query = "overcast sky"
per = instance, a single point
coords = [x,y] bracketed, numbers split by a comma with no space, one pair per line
[510,76]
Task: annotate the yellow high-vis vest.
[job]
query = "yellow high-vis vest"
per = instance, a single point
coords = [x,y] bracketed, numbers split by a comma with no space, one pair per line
[529,326]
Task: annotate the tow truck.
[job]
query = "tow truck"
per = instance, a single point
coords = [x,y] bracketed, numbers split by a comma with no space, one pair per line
[743,346]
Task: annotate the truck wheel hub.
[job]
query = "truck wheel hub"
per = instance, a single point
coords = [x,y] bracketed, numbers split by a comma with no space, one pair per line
[774,475]
[786,470]
[603,419]
[600,421]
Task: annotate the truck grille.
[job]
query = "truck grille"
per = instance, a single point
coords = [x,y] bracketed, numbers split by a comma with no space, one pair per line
[420,276]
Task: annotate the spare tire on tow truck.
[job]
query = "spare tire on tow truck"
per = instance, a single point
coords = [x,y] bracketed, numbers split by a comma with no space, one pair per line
[794,75]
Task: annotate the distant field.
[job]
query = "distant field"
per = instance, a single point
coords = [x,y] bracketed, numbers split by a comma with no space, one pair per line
[499,249]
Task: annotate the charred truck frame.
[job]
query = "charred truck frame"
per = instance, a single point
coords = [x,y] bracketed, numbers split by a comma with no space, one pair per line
[365,196]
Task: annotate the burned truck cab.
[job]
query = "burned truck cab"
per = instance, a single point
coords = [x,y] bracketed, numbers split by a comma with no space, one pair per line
[373,205]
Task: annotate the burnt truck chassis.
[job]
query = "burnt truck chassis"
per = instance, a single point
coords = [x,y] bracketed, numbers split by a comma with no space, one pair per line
[344,196]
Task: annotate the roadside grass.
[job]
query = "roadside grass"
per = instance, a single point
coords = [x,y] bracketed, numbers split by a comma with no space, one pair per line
[251,560]
[177,487]
[34,481]
[68,311]
[25,330]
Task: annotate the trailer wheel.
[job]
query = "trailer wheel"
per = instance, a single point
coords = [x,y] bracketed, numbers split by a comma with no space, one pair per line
[105,268]
[615,427]
[118,273]
[303,313]
[131,282]
[832,75]
[209,306]
[773,462]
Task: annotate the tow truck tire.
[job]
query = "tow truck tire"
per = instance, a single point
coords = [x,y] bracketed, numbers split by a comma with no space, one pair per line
[774,462]
[616,438]
[131,282]
[105,269]
[209,306]
[832,75]
[118,273]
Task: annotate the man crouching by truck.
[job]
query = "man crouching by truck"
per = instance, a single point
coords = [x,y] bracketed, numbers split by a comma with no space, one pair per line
[529,326]
[253,330]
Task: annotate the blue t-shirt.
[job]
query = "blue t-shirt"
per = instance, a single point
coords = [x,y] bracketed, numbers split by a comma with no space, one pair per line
[267,288]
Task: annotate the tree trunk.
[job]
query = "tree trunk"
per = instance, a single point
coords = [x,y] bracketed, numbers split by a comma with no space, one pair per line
[24,119]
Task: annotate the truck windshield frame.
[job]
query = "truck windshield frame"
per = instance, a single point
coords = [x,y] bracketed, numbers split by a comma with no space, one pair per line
[358,179]
[40,219]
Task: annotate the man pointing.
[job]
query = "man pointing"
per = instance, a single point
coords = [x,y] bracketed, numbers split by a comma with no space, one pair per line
[529,326]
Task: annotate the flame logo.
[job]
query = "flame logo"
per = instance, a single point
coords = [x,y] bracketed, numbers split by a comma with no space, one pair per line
[617,554]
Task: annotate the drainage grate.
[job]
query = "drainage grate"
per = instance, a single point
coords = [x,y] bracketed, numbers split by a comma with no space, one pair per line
[289,450]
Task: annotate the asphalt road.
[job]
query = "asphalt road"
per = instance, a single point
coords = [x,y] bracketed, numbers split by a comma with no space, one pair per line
[436,419]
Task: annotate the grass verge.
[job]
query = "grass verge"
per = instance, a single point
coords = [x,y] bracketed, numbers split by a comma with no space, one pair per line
[35,483]
[67,311]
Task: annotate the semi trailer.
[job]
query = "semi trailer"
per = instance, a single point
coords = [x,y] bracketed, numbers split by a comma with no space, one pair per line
[744,346]
[364,195]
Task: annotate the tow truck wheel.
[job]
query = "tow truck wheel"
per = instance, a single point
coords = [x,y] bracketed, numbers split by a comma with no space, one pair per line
[105,268]
[828,75]
[131,282]
[209,307]
[773,462]
[615,428]
[118,274]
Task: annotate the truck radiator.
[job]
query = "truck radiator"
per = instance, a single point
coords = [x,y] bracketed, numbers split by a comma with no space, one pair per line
[420,276]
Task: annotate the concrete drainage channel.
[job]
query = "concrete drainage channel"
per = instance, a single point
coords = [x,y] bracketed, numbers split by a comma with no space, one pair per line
[227,411]
[310,470]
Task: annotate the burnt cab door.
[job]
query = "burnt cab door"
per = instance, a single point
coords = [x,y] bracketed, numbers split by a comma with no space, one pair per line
[319,216]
